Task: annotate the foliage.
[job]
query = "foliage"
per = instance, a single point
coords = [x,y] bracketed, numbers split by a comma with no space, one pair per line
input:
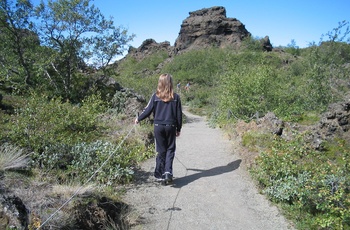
[103,48]
[77,30]
[316,183]
[247,91]
[43,122]
[199,67]
[293,49]
[134,74]
[47,46]
[202,69]
[256,141]
[252,44]
[17,44]
[259,82]
[118,101]
[117,161]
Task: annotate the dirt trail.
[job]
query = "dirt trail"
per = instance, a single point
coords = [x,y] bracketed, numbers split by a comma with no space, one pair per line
[210,191]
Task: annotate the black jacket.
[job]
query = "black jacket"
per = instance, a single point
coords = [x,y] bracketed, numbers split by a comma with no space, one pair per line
[164,113]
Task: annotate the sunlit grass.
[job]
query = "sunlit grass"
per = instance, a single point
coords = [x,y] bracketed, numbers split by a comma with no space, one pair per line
[12,157]
[255,141]
[66,191]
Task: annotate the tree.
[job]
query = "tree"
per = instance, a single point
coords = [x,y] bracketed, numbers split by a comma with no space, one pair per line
[70,26]
[292,48]
[17,42]
[101,49]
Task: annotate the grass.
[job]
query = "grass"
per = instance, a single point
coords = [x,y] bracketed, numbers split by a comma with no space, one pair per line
[12,157]
[256,141]
[308,118]
[66,191]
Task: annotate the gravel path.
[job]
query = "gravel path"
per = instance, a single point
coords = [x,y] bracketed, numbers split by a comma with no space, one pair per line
[210,190]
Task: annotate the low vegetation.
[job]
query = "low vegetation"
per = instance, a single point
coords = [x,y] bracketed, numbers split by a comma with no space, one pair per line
[312,186]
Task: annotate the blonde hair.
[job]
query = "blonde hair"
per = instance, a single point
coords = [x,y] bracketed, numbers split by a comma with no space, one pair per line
[165,88]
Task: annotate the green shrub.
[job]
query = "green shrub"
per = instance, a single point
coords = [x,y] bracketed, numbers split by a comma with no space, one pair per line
[255,141]
[115,163]
[45,122]
[252,44]
[54,157]
[199,67]
[118,101]
[315,184]
[246,91]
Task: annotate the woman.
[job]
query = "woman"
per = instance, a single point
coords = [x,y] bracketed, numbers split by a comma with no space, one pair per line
[167,112]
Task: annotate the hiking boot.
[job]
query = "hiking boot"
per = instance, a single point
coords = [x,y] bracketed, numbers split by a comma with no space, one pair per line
[168,177]
[159,179]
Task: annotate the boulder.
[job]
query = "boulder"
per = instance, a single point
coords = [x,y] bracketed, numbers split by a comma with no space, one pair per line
[271,124]
[266,44]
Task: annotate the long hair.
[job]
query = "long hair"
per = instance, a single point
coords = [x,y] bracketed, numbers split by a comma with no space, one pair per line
[165,88]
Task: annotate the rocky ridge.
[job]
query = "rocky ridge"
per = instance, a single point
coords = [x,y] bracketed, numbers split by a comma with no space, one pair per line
[201,29]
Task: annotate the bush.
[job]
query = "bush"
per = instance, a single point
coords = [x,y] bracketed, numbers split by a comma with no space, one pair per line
[316,184]
[246,91]
[199,67]
[252,44]
[105,161]
[46,122]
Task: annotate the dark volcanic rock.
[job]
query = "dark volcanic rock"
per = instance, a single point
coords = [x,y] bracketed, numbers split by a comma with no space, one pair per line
[266,44]
[148,47]
[271,123]
[333,123]
[210,27]
[13,214]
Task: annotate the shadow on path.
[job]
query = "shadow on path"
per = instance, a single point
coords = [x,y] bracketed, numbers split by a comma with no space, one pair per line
[183,181]
[190,119]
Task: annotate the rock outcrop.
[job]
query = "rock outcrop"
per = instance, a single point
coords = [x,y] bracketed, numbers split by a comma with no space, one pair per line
[333,123]
[266,44]
[271,124]
[203,28]
[210,27]
[13,214]
[148,47]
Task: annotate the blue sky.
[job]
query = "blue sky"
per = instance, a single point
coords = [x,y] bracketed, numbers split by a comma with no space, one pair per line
[302,20]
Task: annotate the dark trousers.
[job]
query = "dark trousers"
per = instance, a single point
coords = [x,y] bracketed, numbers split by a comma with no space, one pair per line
[165,146]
